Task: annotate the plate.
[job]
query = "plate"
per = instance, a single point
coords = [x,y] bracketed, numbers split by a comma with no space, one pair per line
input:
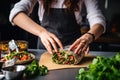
[23,61]
[26,61]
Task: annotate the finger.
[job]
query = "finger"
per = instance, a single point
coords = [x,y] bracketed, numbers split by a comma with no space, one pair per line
[73,46]
[47,45]
[79,52]
[80,46]
[85,47]
[73,49]
[87,51]
[58,41]
[53,43]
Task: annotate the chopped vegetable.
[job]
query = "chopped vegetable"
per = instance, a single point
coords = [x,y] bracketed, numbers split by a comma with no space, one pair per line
[102,68]
[34,69]
[43,70]
[24,57]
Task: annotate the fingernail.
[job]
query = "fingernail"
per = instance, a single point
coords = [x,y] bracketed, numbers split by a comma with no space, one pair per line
[51,52]
[86,52]
[56,50]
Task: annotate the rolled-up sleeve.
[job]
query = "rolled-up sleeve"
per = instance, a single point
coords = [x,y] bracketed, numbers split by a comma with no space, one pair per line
[25,6]
[94,14]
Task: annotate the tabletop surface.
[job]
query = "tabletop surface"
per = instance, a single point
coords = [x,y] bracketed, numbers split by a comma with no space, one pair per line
[64,74]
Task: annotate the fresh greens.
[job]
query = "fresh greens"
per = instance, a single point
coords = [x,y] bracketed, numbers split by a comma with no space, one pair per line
[102,68]
[34,69]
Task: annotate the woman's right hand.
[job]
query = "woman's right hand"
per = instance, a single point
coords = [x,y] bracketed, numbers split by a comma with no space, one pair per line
[50,41]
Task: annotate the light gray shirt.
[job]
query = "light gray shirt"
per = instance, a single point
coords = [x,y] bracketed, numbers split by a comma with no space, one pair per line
[94,14]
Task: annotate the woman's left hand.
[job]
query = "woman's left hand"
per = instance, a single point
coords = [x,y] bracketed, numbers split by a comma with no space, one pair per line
[81,44]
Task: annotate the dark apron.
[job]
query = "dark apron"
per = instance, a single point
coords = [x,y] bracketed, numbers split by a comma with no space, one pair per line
[62,24]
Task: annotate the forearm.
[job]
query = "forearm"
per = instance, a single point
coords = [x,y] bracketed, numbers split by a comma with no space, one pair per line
[81,45]
[24,22]
[97,30]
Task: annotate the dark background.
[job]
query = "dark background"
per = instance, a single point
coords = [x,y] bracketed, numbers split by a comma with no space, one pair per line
[8,32]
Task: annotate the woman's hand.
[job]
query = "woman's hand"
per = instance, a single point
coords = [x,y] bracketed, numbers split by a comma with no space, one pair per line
[50,41]
[81,44]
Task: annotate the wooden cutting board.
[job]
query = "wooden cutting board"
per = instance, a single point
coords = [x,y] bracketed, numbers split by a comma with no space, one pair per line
[46,59]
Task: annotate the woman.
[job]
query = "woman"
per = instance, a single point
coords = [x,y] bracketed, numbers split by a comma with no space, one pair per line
[59,23]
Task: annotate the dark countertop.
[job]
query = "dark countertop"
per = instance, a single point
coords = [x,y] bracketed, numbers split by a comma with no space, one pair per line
[63,74]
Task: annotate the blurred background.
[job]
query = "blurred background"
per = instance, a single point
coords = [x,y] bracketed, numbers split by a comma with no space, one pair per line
[109,41]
